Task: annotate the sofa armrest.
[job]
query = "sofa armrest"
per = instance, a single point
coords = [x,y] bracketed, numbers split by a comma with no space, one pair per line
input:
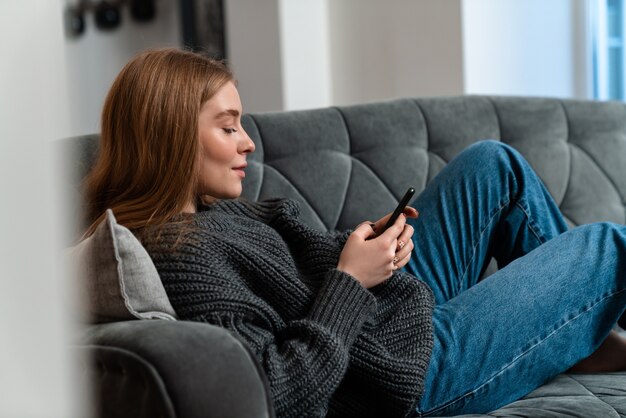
[172,369]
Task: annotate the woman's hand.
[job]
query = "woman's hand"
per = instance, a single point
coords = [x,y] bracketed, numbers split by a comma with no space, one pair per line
[371,259]
[405,243]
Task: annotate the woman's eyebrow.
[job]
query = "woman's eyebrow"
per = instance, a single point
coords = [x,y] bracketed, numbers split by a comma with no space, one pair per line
[227,112]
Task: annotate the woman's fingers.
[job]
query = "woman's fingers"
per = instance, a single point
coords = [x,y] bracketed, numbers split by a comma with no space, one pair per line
[365,230]
[402,261]
[410,212]
[404,249]
[396,242]
[395,230]
[405,236]
[379,224]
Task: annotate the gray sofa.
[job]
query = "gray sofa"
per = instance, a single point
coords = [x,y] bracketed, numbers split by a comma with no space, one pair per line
[346,165]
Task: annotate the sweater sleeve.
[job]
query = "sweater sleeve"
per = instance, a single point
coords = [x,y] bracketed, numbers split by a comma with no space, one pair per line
[304,359]
[339,237]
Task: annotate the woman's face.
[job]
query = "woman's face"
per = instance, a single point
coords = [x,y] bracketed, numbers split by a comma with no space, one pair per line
[224,145]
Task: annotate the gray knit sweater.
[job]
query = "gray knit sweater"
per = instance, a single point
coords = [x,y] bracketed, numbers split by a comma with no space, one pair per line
[329,347]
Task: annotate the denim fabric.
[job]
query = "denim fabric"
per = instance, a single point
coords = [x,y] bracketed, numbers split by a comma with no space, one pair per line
[554,300]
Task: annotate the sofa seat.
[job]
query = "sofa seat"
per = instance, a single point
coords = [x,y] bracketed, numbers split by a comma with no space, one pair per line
[571,396]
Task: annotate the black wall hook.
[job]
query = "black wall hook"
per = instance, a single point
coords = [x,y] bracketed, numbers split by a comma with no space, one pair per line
[107,14]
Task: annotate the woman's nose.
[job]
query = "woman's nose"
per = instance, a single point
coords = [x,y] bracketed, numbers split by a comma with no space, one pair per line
[247,144]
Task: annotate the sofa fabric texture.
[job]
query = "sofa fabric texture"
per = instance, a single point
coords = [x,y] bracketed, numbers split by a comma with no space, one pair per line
[173,369]
[352,163]
[571,396]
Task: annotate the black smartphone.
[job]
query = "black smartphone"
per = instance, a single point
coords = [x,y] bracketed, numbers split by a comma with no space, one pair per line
[399,209]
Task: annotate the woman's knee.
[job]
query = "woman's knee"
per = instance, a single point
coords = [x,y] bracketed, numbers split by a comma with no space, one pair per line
[492,149]
[603,244]
[491,154]
[605,233]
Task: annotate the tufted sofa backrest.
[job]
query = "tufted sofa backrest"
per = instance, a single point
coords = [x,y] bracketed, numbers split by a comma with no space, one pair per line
[348,164]
[352,163]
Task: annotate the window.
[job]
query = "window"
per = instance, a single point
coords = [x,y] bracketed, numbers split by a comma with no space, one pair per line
[608,57]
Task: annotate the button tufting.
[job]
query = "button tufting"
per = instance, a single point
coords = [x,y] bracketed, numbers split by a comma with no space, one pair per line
[373,151]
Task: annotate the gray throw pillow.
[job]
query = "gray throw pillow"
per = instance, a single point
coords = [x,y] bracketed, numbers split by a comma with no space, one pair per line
[116,278]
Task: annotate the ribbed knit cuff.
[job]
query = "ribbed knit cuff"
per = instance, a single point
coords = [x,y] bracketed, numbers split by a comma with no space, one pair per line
[343,305]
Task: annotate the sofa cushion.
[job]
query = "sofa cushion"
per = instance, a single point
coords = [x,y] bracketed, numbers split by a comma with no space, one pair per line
[570,396]
[117,279]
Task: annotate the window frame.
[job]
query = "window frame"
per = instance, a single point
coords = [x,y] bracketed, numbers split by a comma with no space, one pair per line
[601,43]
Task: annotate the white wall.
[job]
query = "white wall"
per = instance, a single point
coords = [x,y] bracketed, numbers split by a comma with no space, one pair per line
[529,47]
[305,51]
[279,52]
[96,57]
[36,375]
[254,52]
[295,54]
[298,54]
[396,48]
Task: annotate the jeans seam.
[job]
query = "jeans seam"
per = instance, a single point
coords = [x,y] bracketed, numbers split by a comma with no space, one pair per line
[531,227]
[531,348]
[531,224]
[482,232]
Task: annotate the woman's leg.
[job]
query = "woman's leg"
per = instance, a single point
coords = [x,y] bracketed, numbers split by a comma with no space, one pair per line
[487,195]
[486,202]
[528,322]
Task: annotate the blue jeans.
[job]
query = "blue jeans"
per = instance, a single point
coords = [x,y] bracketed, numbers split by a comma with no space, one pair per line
[555,298]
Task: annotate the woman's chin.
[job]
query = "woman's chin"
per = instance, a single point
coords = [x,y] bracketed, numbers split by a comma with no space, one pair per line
[232,193]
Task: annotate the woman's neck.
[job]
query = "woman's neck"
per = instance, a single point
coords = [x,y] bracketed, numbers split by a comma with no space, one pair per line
[192,207]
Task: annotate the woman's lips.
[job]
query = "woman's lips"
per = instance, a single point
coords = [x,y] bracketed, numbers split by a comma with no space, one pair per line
[240,170]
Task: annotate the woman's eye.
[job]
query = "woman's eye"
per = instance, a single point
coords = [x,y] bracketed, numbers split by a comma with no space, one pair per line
[229,130]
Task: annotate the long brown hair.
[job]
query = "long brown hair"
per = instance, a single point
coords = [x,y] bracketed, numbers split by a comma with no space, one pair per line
[146,168]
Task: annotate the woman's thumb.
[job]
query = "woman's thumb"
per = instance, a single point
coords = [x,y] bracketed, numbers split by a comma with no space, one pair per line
[365,230]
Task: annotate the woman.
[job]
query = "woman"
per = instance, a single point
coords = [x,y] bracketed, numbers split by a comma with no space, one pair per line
[340,322]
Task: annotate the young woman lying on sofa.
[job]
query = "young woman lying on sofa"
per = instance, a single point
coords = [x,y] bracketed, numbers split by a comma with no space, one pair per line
[357,323]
